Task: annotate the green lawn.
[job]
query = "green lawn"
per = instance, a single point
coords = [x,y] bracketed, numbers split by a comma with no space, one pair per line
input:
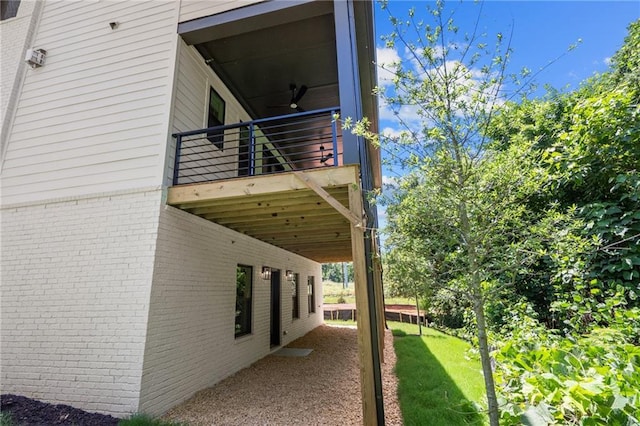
[438,384]
[335,293]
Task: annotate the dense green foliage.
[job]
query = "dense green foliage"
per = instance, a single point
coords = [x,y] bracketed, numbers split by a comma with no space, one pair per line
[335,272]
[534,220]
[583,366]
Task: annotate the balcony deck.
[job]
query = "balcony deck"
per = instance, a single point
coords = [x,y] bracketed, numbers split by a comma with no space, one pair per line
[280,209]
[278,180]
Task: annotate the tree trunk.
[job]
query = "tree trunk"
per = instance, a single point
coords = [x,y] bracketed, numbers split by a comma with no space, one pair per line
[477,299]
[485,356]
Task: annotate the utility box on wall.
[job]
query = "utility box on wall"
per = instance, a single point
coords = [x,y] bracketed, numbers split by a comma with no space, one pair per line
[35,57]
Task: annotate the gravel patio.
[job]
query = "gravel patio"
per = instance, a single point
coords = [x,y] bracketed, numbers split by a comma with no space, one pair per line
[321,388]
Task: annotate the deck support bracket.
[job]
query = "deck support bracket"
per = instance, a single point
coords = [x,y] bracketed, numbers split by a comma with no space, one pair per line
[317,188]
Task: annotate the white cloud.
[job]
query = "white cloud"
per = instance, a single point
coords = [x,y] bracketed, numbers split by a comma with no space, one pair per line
[391,132]
[389,181]
[387,59]
[607,61]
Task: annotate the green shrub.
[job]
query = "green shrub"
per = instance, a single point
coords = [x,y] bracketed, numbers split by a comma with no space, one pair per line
[545,378]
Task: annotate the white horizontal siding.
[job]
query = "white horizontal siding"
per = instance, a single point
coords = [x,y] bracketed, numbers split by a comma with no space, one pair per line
[20,30]
[95,117]
[194,78]
[193,9]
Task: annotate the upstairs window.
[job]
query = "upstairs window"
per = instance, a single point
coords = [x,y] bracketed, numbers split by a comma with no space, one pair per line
[8,9]
[216,118]
[311,294]
[244,292]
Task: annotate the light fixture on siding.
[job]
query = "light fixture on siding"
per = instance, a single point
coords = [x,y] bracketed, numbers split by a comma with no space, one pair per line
[35,57]
[266,273]
[289,275]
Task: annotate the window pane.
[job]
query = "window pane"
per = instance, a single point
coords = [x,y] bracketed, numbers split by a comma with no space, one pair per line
[8,9]
[295,298]
[311,289]
[215,118]
[244,290]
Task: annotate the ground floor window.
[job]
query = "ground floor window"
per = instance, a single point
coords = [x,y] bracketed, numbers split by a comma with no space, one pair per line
[311,294]
[295,296]
[244,291]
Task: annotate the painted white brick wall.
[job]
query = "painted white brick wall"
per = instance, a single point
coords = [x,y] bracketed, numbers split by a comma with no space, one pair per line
[190,339]
[76,279]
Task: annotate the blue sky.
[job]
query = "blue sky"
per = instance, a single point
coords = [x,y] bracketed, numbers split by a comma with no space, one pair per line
[542,31]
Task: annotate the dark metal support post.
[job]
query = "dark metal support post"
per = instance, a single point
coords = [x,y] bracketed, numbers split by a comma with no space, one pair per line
[355,152]
[176,160]
[334,139]
[252,151]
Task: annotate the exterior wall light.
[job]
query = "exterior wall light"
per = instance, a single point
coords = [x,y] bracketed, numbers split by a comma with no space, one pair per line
[266,273]
[289,275]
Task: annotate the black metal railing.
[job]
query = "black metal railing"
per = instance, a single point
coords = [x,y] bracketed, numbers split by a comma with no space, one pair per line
[271,145]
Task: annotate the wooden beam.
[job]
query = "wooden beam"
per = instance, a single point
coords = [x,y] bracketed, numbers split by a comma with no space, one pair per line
[270,214]
[281,226]
[264,204]
[365,349]
[184,195]
[315,186]
[335,237]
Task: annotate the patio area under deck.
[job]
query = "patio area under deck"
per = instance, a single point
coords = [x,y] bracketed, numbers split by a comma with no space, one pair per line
[305,212]
[316,213]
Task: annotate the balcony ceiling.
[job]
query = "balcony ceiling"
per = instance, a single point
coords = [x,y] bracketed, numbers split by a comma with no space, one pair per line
[258,58]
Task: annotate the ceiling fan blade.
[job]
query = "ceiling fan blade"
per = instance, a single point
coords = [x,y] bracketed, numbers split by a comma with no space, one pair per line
[301,91]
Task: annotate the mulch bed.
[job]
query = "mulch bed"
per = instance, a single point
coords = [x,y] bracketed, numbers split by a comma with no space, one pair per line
[29,412]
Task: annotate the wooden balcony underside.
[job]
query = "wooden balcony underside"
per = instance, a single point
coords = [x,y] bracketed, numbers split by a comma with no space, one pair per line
[281,209]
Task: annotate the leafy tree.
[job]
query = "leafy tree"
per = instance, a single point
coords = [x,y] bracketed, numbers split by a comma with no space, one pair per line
[334,272]
[588,143]
[407,275]
[461,205]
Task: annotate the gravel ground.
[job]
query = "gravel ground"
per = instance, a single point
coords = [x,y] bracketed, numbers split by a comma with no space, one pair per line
[322,388]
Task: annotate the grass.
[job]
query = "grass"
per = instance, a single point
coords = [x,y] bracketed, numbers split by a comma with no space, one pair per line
[340,322]
[6,419]
[437,382]
[335,293]
[146,420]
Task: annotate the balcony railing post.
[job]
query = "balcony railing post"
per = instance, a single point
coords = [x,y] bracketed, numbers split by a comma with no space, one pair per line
[334,136]
[252,151]
[176,163]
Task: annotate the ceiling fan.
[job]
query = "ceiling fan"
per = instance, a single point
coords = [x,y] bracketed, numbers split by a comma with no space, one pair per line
[324,158]
[296,95]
